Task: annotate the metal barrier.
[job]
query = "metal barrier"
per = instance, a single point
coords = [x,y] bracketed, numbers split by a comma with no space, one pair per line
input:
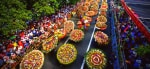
[114,41]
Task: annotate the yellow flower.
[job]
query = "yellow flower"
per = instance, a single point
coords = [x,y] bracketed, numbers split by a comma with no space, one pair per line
[15,44]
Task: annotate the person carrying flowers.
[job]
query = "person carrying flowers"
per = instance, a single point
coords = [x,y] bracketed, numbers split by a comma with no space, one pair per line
[80,25]
[15,45]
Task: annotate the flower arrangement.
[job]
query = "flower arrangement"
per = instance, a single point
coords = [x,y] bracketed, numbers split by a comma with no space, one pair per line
[102,18]
[87,4]
[60,33]
[85,8]
[101,38]
[68,26]
[103,13]
[66,54]
[104,6]
[49,44]
[87,18]
[32,60]
[76,35]
[94,8]
[90,13]
[100,25]
[95,59]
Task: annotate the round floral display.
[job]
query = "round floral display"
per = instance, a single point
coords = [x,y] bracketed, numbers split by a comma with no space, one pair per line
[94,8]
[101,26]
[101,38]
[103,13]
[98,0]
[87,4]
[85,8]
[104,6]
[66,54]
[102,18]
[49,44]
[89,0]
[33,60]
[90,13]
[76,35]
[95,59]
[95,3]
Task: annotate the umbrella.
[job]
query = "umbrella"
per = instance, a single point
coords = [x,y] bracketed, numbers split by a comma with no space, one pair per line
[12,37]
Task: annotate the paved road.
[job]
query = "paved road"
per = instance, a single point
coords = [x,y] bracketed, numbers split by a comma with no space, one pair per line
[106,49]
[142,8]
[137,1]
[52,63]
[50,58]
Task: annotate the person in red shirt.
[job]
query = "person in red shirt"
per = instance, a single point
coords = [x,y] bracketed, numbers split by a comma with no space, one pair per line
[22,34]
[10,45]
[20,44]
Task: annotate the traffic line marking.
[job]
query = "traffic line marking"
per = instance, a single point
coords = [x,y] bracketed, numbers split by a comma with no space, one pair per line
[82,66]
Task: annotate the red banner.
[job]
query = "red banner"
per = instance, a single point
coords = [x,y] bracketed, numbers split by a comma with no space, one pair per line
[135,19]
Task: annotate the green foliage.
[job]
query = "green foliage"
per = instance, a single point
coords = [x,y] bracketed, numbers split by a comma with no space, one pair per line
[73,1]
[13,15]
[142,50]
[61,3]
[45,7]
[67,2]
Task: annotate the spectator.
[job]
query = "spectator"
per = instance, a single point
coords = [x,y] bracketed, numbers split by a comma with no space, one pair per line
[1,62]
[15,45]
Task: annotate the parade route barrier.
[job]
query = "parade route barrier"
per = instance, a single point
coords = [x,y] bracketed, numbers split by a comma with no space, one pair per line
[114,41]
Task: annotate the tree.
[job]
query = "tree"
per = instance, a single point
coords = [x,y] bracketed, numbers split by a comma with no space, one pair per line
[67,2]
[142,50]
[13,16]
[15,13]
[73,1]
[45,7]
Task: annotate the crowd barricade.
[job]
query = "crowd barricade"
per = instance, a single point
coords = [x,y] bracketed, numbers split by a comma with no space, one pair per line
[114,41]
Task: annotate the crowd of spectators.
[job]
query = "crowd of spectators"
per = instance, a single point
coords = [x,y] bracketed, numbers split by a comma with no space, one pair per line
[131,38]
